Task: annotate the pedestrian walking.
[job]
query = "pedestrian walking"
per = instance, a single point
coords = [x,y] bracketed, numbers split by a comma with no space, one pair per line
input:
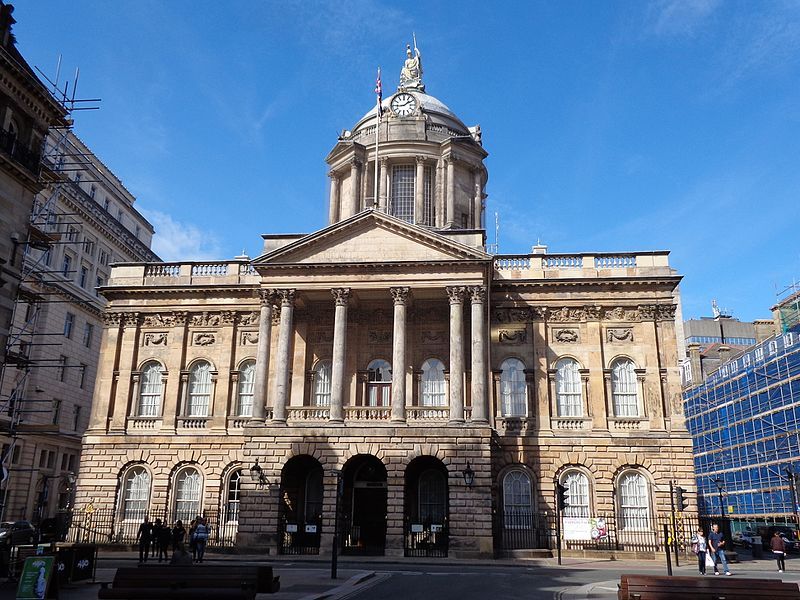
[193,538]
[700,546]
[145,537]
[716,543]
[163,538]
[201,538]
[778,550]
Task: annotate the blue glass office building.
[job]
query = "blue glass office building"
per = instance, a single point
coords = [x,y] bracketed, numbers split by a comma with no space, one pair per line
[745,426]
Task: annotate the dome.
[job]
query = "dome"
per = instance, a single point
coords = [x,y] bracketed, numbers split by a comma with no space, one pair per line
[437,111]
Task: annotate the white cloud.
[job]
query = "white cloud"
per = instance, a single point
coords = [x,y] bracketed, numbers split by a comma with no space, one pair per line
[175,241]
[679,17]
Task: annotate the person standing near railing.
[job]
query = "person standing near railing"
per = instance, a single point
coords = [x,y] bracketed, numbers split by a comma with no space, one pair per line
[716,541]
[201,537]
[144,536]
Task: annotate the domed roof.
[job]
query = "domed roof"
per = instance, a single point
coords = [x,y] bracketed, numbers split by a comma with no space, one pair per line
[435,108]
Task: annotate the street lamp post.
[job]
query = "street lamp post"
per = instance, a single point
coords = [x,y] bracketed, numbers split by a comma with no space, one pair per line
[720,488]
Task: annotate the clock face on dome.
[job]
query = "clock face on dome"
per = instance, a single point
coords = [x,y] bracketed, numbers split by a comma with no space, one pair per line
[404,105]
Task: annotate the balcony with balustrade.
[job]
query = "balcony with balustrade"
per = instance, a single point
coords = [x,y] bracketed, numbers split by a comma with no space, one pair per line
[170,274]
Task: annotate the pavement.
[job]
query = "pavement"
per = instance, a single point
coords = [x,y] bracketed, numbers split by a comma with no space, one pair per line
[308,577]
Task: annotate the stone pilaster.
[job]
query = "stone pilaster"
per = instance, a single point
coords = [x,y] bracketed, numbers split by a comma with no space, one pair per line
[282,360]
[480,407]
[451,192]
[341,297]
[456,295]
[383,184]
[419,192]
[333,207]
[355,173]
[128,349]
[106,383]
[399,297]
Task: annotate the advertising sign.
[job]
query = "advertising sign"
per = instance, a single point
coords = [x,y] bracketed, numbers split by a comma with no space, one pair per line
[35,579]
[577,528]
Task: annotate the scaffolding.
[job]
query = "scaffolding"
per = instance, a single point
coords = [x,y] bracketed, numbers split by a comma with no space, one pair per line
[47,228]
[788,306]
[745,426]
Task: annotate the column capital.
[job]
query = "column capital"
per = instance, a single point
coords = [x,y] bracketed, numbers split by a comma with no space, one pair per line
[266,297]
[354,163]
[286,297]
[477,294]
[456,294]
[420,159]
[130,319]
[341,296]
[384,160]
[334,175]
[400,294]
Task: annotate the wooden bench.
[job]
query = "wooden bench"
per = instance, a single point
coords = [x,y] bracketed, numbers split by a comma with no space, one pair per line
[655,587]
[191,582]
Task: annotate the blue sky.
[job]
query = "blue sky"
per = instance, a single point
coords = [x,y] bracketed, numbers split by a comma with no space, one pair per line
[625,125]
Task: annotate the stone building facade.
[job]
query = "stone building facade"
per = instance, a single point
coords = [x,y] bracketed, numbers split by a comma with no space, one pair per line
[86,221]
[446,389]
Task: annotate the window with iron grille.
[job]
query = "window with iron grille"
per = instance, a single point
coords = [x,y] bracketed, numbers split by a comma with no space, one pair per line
[517,504]
[136,497]
[403,192]
[432,496]
[234,491]
[577,484]
[188,489]
[634,502]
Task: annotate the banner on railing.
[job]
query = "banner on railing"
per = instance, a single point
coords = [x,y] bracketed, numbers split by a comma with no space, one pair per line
[585,528]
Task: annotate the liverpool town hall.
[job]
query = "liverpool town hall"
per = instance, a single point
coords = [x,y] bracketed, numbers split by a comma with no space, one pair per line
[390,365]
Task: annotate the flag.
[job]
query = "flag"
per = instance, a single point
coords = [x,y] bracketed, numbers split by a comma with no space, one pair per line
[379,92]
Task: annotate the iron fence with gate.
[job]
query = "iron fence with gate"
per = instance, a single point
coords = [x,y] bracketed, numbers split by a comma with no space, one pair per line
[424,540]
[529,530]
[104,526]
[299,537]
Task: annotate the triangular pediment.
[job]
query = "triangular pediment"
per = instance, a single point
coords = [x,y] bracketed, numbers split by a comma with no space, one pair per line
[371,237]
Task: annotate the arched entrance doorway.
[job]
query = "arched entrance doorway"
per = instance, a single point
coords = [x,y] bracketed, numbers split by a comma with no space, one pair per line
[426,508]
[364,506]
[300,509]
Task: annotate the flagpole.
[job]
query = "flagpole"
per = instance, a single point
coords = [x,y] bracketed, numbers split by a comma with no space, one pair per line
[377,135]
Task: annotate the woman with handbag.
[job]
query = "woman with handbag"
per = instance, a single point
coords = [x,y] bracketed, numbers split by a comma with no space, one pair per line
[699,547]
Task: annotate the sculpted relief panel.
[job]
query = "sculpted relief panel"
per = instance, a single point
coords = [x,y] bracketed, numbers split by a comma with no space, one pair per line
[579,314]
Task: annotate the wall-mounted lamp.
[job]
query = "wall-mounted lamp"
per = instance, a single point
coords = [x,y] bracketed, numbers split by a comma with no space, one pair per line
[469,475]
[258,476]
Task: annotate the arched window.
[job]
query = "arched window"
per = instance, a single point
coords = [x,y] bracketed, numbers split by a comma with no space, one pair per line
[135,494]
[199,389]
[188,493]
[434,392]
[634,500]
[577,484]
[568,388]
[232,499]
[432,496]
[322,383]
[379,383]
[247,378]
[624,388]
[150,389]
[517,506]
[513,391]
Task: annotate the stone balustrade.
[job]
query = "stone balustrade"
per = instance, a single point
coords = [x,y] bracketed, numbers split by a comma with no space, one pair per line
[304,414]
[583,265]
[183,274]
[367,413]
[144,423]
[575,423]
[628,423]
[193,422]
[428,414]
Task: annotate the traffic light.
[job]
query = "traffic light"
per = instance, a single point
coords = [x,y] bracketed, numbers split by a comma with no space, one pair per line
[562,495]
[681,501]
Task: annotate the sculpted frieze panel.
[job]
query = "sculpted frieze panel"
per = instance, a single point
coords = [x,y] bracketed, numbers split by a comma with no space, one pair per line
[248,338]
[619,334]
[155,339]
[431,336]
[566,336]
[158,320]
[512,336]
[621,313]
[248,318]
[379,337]
[204,338]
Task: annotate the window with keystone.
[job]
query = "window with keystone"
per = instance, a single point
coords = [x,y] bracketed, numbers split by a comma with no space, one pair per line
[136,494]
[188,494]
[634,500]
[577,484]
[517,500]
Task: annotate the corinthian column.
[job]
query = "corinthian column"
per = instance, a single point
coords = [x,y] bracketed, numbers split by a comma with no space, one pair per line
[400,296]
[283,359]
[341,296]
[456,295]
[451,192]
[480,408]
[419,192]
[333,208]
[262,356]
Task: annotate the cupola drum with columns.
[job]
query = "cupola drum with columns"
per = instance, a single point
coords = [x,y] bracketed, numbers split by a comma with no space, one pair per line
[430,164]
